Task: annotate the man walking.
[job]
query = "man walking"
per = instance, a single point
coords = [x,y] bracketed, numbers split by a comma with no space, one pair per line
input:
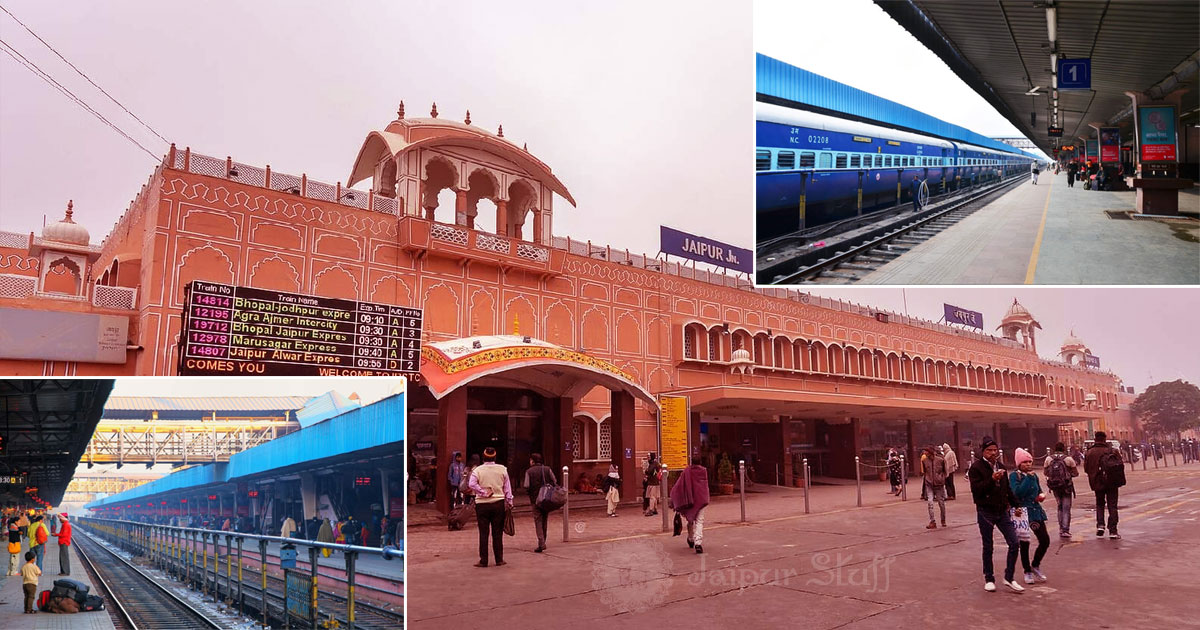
[915,190]
[493,497]
[536,476]
[933,469]
[64,545]
[1106,473]
[689,497]
[38,535]
[1035,169]
[993,496]
[1060,470]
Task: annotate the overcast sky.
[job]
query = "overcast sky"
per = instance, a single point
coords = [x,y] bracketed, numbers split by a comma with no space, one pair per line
[856,43]
[1144,335]
[643,109]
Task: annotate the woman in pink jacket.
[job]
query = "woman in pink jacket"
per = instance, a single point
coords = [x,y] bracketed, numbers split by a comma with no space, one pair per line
[689,497]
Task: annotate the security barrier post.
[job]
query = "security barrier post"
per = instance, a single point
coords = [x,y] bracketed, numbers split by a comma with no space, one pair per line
[262,556]
[858,479]
[350,557]
[807,487]
[742,489]
[566,508]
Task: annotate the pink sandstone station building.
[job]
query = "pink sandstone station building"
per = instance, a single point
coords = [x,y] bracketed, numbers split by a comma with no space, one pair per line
[532,341]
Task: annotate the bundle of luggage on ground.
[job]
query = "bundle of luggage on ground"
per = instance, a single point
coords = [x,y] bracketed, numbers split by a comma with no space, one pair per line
[69,596]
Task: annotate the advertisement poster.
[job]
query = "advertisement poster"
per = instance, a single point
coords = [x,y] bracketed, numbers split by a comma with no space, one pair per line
[1110,144]
[1156,128]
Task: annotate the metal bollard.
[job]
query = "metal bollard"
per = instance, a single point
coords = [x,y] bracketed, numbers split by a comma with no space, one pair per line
[662,498]
[903,479]
[566,507]
[1154,452]
[312,563]
[742,490]
[262,556]
[241,595]
[350,557]
[807,486]
[858,479]
[1174,462]
[228,569]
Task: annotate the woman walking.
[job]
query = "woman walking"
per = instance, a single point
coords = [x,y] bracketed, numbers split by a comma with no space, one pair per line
[689,497]
[651,490]
[612,492]
[893,464]
[1028,490]
[14,547]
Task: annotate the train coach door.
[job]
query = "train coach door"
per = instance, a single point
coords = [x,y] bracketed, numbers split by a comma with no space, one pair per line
[860,186]
[942,184]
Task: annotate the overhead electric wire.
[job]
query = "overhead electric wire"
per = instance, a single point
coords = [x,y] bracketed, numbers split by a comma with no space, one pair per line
[41,74]
[81,73]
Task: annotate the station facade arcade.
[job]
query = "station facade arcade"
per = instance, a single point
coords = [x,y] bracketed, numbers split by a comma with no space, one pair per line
[771,374]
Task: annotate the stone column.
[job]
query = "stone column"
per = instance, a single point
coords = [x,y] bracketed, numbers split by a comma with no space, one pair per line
[622,419]
[537,226]
[957,444]
[460,207]
[451,436]
[785,466]
[502,217]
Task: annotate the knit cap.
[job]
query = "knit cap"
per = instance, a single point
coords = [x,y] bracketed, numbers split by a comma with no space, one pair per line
[1023,456]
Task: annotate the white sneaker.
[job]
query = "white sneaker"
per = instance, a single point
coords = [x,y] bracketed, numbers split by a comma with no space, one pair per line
[1041,577]
[1029,579]
[990,587]
[1017,588]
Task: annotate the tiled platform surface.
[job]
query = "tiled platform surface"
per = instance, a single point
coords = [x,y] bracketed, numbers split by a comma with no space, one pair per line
[12,598]
[1079,244]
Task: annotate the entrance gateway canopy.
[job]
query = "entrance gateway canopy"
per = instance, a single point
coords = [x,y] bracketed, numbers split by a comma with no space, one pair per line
[513,361]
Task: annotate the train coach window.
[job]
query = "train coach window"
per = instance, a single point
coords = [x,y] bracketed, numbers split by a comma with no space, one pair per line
[807,160]
[878,161]
[826,160]
[786,159]
[762,161]
[841,161]
[854,161]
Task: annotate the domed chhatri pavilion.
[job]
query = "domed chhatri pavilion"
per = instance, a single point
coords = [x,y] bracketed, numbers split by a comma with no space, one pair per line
[534,341]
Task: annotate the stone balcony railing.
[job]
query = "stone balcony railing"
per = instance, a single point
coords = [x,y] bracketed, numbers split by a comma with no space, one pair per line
[115,298]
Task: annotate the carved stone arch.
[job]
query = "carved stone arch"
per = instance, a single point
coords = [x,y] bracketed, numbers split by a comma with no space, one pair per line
[432,158]
[660,380]
[63,275]
[628,333]
[278,275]
[482,315]
[336,281]
[559,325]
[391,289]
[442,306]
[522,310]
[205,262]
[594,330]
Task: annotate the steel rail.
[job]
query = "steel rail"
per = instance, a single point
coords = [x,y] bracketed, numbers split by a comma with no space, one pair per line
[152,609]
[848,255]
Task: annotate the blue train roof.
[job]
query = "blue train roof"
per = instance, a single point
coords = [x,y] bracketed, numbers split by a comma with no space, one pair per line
[783,81]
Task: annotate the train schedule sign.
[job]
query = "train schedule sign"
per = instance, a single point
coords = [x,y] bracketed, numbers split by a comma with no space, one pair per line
[239,330]
[673,431]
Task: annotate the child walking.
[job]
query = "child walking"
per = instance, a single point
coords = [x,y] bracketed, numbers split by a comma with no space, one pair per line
[1028,491]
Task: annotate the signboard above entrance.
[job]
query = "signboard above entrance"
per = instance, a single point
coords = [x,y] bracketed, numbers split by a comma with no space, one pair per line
[673,431]
[705,250]
[239,330]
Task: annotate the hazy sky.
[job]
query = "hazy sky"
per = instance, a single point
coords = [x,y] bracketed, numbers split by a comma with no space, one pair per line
[643,109]
[856,43]
[1144,335]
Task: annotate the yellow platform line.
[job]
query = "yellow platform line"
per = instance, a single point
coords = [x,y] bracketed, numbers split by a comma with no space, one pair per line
[1037,243]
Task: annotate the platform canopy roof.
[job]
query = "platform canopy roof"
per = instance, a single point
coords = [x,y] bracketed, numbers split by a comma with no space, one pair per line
[1002,49]
[46,427]
[191,407]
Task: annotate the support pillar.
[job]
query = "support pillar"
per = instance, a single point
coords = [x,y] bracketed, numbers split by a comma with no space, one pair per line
[308,495]
[460,207]
[502,217]
[957,444]
[785,458]
[384,487]
[559,436]
[622,419]
[1032,445]
[537,226]
[451,436]
[910,449]
[996,436]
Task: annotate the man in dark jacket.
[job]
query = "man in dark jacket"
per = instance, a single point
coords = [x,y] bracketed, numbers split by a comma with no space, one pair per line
[993,496]
[915,190]
[536,476]
[1104,494]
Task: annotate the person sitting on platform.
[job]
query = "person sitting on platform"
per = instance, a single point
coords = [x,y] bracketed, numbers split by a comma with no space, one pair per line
[585,485]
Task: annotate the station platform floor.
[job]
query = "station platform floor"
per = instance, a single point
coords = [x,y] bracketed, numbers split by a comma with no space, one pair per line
[12,597]
[1053,234]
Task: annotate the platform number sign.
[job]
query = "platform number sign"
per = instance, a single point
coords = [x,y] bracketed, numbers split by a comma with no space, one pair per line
[1074,74]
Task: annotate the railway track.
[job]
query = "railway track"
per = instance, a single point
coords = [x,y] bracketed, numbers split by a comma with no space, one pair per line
[138,599]
[861,254]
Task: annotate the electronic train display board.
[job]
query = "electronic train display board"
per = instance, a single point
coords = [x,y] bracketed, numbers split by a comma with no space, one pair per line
[244,331]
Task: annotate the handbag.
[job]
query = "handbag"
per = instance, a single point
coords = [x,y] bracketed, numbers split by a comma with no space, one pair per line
[14,547]
[510,527]
[1021,523]
[550,497]
[678,523]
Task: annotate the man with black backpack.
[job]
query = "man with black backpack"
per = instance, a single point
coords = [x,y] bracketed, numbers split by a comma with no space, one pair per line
[1106,473]
[1060,469]
[536,476]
